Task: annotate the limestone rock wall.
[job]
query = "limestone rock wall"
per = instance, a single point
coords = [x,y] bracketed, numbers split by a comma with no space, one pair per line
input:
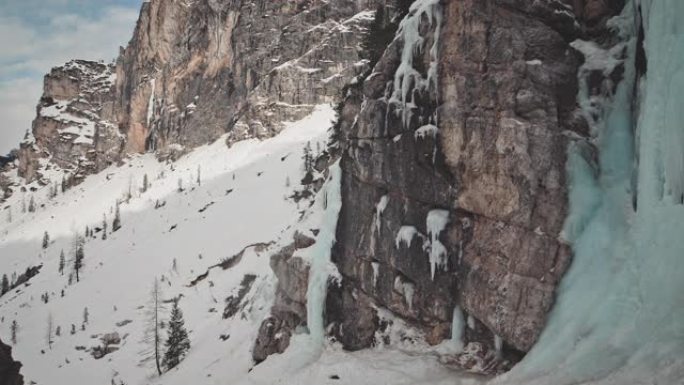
[190,74]
[74,127]
[193,71]
[453,158]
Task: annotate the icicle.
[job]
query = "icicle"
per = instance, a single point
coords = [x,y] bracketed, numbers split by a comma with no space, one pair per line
[471,322]
[405,236]
[376,273]
[436,222]
[407,290]
[379,209]
[457,329]
[498,345]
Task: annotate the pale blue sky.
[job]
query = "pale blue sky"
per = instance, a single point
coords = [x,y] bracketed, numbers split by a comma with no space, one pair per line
[40,34]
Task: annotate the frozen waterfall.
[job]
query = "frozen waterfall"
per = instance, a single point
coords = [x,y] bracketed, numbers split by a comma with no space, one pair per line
[619,318]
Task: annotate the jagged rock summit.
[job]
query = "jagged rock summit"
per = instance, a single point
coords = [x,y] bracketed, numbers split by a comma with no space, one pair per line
[193,71]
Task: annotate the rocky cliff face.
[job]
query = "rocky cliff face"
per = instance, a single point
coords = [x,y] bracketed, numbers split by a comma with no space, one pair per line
[9,369]
[454,190]
[73,128]
[193,71]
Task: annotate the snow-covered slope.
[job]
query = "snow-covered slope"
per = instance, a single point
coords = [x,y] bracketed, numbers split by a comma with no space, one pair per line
[243,200]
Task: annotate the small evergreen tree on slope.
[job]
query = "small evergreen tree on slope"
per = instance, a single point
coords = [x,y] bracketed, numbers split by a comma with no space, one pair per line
[177,343]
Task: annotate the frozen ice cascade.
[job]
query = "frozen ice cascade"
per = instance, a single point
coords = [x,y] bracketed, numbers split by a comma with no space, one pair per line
[436,222]
[322,269]
[150,103]
[407,76]
[620,310]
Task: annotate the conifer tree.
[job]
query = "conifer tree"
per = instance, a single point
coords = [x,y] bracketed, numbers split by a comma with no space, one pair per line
[14,328]
[308,158]
[104,227]
[79,255]
[378,36]
[116,224]
[48,334]
[145,183]
[32,205]
[382,31]
[403,7]
[199,176]
[177,344]
[5,285]
[152,336]
[46,240]
[62,262]
[129,192]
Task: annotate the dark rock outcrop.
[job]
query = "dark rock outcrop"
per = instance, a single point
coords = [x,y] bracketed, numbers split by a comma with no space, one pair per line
[110,344]
[9,369]
[235,302]
[289,308]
